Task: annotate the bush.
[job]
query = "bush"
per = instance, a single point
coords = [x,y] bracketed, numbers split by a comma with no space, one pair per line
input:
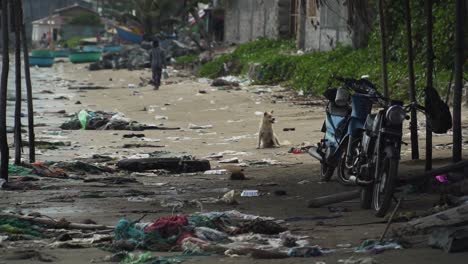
[187,59]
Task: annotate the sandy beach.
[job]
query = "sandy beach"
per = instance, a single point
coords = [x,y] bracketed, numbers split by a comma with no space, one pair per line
[232,117]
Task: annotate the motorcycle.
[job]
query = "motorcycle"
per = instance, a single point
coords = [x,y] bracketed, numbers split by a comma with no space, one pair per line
[376,151]
[345,116]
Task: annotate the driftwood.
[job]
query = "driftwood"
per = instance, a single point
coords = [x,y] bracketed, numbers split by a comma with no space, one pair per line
[62,223]
[457,216]
[333,198]
[175,165]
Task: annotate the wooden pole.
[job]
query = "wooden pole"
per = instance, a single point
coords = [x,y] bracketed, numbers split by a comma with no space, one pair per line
[300,41]
[383,48]
[16,26]
[457,90]
[414,119]
[4,155]
[333,198]
[429,78]
[27,76]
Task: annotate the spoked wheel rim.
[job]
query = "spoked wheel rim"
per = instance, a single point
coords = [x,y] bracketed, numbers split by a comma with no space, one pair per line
[345,171]
[380,188]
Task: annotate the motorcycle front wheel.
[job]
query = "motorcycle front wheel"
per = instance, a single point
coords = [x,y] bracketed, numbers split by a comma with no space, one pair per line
[384,186]
[326,172]
[344,172]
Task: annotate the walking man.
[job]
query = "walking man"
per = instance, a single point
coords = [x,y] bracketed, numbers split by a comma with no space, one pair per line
[158,62]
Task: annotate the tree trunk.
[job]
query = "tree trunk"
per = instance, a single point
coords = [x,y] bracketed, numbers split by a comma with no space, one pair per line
[457,90]
[17,28]
[429,78]
[301,29]
[414,120]
[27,76]
[383,48]
[4,155]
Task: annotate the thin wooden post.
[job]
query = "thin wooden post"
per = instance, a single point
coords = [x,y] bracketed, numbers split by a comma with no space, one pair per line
[16,27]
[301,31]
[27,76]
[4,155]
[383,47]
[429,78]
[457,90]
[414,118]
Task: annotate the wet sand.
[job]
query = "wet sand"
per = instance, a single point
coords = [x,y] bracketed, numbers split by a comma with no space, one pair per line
[235,125]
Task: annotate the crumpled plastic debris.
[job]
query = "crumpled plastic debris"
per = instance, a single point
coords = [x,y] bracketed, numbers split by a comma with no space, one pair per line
[376,247]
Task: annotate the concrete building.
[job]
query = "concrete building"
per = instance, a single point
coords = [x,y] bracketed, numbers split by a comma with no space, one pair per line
[326,25]
[57,24]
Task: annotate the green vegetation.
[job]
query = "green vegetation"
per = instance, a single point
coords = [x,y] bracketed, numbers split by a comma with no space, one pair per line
[313,72]
[73,42]
[187,59]
[86,20]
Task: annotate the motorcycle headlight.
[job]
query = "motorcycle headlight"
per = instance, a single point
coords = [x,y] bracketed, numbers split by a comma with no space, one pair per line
[396,115]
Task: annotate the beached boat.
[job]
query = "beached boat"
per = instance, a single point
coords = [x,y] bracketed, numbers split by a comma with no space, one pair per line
[92,48]
[128,35]
[82,56]
[61,53]
[42,53]
[112,48]
[41,61]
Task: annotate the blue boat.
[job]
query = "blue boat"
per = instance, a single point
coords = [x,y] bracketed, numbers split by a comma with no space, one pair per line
[112,48]
[128,35]
[90,48]
[41,61]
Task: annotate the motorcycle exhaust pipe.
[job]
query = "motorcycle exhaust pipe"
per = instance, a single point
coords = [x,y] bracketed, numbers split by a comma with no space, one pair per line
[354,180]
[314,153]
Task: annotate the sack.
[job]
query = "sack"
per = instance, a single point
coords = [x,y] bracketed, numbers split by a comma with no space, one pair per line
[438,113]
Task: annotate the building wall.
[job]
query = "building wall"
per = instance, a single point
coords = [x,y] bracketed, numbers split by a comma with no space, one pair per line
[37,9]
[247,20]
[328,27]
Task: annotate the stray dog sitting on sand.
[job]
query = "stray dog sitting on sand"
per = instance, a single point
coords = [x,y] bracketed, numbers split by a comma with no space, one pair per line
[266,136]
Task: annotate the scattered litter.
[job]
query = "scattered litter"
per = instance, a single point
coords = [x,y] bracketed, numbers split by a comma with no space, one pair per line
[193,126]
[250,193]
[376,247]
[216,172]
[231,160]
[134,135]
[139,199]
[305,252]
[228,198]
[161,117]
[353,260]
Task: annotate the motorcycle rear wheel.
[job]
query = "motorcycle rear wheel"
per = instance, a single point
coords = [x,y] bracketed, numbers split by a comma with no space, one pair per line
[384,186]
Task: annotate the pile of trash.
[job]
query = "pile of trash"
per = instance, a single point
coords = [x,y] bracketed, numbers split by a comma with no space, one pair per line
[130,57]
[229,233]
[100,120]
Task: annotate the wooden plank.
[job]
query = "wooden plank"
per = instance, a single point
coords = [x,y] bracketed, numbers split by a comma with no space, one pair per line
[333,198]
[457,216]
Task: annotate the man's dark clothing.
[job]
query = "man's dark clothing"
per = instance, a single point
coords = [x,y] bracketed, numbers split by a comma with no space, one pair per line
[158,62]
